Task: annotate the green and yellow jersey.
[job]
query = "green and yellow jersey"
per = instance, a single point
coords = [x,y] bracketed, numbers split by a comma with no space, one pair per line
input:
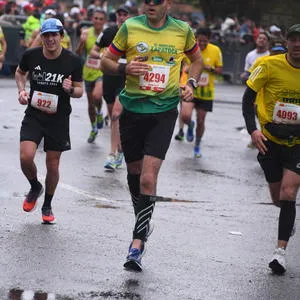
[212,56]
[280,84]
[163,49]
[91,68]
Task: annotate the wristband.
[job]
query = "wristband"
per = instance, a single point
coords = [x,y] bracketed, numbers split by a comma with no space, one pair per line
[122,69]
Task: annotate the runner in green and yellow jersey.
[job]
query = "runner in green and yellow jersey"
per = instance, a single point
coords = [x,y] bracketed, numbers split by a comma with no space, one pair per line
[154,45]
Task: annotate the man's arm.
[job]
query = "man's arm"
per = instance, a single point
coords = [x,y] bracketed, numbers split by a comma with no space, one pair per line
[20,77]
[249,115]
[95,52]
[195,70]
[110,65]
[81,44]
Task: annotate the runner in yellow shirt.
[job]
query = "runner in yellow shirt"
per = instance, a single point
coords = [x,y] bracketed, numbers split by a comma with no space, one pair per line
[278,141]
[3,48]
[204,93]
[91,71]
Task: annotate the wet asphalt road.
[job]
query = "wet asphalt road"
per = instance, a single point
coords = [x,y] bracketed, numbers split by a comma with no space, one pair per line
[212,241]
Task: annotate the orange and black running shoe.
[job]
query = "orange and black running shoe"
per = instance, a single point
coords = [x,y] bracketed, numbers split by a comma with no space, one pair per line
[47,215]
[30,201]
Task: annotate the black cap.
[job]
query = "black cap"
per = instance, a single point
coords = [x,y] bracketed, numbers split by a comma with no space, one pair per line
[293,29]
[122,8]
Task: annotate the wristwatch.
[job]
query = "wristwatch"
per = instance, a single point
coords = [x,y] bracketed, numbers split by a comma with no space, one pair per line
[71,91]
[193,83]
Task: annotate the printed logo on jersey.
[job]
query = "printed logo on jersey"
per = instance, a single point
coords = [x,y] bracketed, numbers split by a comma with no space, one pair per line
[142,47]
[44,78]
[162,48]
[38,68]
[171,61]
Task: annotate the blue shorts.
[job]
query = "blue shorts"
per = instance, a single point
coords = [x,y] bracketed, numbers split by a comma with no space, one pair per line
[89,85]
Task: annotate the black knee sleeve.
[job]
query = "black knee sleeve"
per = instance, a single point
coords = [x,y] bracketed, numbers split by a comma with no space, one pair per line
[286,219]
[133,181]
[144,209]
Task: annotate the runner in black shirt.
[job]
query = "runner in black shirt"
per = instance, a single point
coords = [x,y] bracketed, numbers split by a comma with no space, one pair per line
[112,86]
[55,75]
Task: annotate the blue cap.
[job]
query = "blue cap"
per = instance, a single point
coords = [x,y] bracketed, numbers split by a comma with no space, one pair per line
[278,48]
[51,25]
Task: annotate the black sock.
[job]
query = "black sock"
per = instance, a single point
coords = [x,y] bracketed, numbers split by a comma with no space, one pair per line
[47,201]
[286,219]
[144,208]
[35,184]
[134,188]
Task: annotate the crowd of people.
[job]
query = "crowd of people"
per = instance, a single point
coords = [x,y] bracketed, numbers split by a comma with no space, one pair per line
[143,70]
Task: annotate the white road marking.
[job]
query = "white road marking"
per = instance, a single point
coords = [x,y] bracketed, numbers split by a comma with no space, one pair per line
[82,192]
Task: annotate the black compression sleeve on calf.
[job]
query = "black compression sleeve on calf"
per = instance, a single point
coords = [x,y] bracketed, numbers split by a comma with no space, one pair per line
[133,181]
[248,109]
[286,219]
[144,208]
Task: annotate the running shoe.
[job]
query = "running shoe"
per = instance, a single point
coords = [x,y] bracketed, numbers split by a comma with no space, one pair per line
[278,262]
[100,120]
[197,152]
[110,163]
[92,136]
[134,260]
[190,132]
[119,159]
[47,215]
[179,136]
[30,201]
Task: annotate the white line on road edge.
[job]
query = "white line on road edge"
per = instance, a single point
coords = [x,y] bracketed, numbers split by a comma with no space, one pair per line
[82,192]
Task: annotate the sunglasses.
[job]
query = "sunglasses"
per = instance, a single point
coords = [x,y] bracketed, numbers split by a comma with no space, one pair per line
[155,2]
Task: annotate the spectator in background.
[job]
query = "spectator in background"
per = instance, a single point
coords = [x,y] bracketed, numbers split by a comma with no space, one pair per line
[246,28]
[262,49]
[275,32]
[230,23]
[32,23]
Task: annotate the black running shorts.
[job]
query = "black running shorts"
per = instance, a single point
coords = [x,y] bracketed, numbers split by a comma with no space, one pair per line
[112,86]
[56,134]
[206,105]
[277,158]
[146,134]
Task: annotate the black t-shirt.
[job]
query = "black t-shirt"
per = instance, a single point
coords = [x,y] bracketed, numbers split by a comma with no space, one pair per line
[47,75]
[107,36]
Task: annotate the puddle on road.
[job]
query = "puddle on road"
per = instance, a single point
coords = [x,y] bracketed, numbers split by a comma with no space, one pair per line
[19,294]
[110,295]
[215,173]
[166,199]
[106,206]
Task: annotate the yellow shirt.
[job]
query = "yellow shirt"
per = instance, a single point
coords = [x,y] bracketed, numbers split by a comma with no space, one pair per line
[1,37]
[257,62]
[212,56]
[280,84]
